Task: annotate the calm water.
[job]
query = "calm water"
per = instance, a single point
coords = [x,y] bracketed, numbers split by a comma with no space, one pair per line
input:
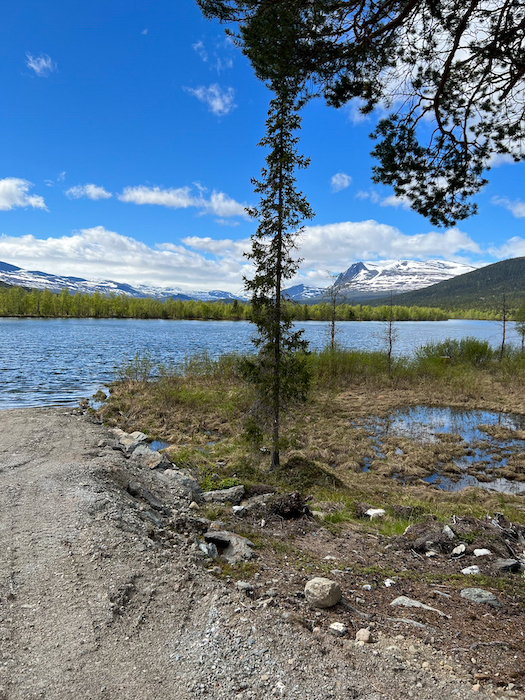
[56,361]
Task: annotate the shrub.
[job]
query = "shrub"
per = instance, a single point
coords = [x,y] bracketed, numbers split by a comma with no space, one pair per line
[468,351]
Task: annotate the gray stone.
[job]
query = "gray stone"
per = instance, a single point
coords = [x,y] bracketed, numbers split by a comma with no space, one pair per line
[233,495]
[231,547]
[209,549]
[508,565]
[403,601]
[245,587]
[138,491]
[322,592]
[448,532]
[150,458]
[478,595]
[183,485]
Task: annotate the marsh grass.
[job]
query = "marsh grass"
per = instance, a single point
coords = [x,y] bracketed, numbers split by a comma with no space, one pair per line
[200,408]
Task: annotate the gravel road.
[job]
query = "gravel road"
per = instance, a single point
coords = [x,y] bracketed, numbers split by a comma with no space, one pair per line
[99,601]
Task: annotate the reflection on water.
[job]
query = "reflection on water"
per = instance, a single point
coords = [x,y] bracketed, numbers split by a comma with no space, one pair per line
[484,447]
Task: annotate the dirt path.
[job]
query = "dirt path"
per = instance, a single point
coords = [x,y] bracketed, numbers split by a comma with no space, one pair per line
[96,601]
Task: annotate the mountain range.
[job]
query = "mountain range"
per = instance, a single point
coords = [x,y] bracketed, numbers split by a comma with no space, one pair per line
[360,282]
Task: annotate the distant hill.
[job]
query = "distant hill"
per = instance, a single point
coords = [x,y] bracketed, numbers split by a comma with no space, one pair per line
[481,289]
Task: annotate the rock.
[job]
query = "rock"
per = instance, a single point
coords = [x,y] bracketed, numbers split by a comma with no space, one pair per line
[478,595]
[138,491]
[471,570]
[233,495]
[374,513]
[150,458]
[322,592]
[245,587]
[512,565]
[363,635]
[403,601]
[388,582]
[338,629]
[367,587]
[183,485]
[448,532]
[431,553]
[209,549]
[128,442]
[460,549]
[482,552]
[231,547]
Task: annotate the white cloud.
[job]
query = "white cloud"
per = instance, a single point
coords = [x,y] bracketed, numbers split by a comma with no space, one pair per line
[90,191]
[390,201]
[61,176]
[340,181]
[516,207]
[43,65]
[220,102]
[179,198]
[219,203]
[222,205]
[96,253]
[337,246]
[144,32]
[513,248]
[14,193]
[497,159]
[334,245]
[201,50]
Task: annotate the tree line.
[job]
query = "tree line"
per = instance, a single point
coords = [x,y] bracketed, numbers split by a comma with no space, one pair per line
[42,303]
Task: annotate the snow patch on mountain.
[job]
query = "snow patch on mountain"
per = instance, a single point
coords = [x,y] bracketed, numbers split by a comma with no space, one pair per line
[398,276]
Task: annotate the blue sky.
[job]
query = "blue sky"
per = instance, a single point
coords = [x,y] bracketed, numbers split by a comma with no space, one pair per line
[128,139]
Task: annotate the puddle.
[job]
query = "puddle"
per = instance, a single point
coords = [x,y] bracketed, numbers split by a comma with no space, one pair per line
[449,447]
[158,445]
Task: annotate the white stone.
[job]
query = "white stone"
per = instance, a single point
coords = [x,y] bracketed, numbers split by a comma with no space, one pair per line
[338,629]
[388,582]
[469,570]
[322,592]
[458,550]
[375,513]
[411,603]
[482,552]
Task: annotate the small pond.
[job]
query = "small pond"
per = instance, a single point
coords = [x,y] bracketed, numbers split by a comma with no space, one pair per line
[449,447]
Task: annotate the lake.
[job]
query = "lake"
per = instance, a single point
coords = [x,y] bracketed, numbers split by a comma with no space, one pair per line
[45,362]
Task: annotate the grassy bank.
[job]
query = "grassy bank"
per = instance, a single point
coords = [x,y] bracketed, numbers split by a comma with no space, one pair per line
[200,410]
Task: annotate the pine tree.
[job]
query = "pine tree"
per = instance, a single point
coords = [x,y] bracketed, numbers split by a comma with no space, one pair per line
[279,370]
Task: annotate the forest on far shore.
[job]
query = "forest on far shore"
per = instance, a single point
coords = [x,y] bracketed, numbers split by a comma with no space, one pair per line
[42,303]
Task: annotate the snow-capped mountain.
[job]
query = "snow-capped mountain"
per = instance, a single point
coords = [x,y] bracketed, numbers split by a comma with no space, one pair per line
[381,278]
[16,276]
[360,281]
[301,292]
